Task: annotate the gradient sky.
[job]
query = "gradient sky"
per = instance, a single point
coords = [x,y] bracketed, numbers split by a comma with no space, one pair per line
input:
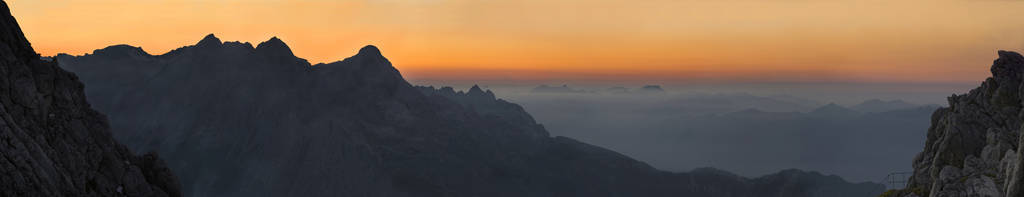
[586,40]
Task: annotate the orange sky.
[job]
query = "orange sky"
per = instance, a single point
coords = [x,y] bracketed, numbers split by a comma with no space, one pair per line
[679,40]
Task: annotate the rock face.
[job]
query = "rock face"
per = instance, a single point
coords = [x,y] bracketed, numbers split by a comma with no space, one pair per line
[238,120]
[52,143]
[973,147]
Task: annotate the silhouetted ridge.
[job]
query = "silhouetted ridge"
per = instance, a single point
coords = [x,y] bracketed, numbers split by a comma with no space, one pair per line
[367,57]
[274,46]
[13,39]
[239,123]
[240,45]
[832,109]
[367,68]
[369,51]
[209,40]
[878,105]
[475,91]
[121,50]
[652,88]
[485,103]
[279,53]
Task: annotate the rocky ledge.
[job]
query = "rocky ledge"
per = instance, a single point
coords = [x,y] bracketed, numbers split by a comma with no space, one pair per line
[973,147]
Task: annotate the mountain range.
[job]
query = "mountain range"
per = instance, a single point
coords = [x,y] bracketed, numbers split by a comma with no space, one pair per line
[681,131]
[238,120]
[878,105]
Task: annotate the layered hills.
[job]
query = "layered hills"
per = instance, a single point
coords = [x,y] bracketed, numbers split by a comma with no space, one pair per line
[680,131]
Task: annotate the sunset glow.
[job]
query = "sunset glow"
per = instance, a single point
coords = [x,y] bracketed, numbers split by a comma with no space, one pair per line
[789,40]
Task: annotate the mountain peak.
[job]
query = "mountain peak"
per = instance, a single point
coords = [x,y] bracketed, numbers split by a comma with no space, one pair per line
[121,50]
[209,40]
[475,89]
[833,109]
[831,106]
[274,46]
[369,50]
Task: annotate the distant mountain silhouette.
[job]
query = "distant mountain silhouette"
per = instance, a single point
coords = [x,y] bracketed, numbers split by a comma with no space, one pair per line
[617,90]
[52,143]
[235,120]
[556,89]
[652,89]
[717,103]
[833,110]
[730,131]
[756,114]
[646,89]
[877,105]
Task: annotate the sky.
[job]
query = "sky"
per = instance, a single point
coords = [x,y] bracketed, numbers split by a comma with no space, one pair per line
[896,41]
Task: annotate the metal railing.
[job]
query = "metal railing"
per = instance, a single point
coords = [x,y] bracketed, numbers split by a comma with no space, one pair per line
[897,180]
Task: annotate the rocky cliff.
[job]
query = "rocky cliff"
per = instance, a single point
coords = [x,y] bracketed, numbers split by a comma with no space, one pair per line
[973,147]
[52,143]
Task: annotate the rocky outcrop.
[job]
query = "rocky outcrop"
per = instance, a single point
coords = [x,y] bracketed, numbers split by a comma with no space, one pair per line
[973,147]
[52,143]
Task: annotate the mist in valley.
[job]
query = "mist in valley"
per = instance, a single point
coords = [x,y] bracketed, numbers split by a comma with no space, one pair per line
[861,132]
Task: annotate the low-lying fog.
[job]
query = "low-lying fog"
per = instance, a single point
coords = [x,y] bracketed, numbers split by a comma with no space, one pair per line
[861,132]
